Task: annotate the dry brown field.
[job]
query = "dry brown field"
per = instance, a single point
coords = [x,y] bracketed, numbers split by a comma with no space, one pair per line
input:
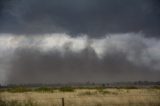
[83,97]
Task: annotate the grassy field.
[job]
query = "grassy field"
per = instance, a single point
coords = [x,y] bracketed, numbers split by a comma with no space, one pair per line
[80,97]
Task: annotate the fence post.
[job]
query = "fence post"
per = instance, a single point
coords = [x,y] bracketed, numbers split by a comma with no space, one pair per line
[62,101]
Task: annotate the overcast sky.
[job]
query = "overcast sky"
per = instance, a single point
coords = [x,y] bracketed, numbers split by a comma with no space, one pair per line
[62,41]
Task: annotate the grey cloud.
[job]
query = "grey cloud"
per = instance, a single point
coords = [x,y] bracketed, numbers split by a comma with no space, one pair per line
[32,66]
[116,57]
[79,40]
[92,17]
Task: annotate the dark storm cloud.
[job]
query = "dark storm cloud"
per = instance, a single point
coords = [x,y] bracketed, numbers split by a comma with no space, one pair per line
[32,66]
[93,17]
[59,58]
[49,41]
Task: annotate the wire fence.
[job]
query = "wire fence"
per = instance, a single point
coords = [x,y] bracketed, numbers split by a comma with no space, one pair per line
[107,100]
[72,101]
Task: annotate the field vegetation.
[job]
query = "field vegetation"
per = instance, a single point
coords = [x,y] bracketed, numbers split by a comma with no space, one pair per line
[47,96]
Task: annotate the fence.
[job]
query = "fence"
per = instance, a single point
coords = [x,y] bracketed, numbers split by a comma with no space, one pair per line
[97,100]
[110,100]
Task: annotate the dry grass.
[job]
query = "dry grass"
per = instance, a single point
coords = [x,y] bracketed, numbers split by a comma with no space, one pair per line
[87,97]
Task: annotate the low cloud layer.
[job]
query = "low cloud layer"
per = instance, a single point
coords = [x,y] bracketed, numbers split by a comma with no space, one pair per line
[58,57]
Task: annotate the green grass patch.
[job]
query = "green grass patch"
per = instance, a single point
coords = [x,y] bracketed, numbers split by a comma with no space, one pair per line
[44,89]
[155,87]
[17,89]
[66,89]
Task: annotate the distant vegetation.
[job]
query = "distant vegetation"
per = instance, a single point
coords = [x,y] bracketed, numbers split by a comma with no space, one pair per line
[16,89]
[66,89]
[44,89]
[91,85]
[19,89]
[37,89]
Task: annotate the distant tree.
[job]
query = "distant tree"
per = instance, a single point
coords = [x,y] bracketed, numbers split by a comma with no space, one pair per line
[103,85]
[93,83]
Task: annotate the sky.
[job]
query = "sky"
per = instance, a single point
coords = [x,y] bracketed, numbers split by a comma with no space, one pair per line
[63,41]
